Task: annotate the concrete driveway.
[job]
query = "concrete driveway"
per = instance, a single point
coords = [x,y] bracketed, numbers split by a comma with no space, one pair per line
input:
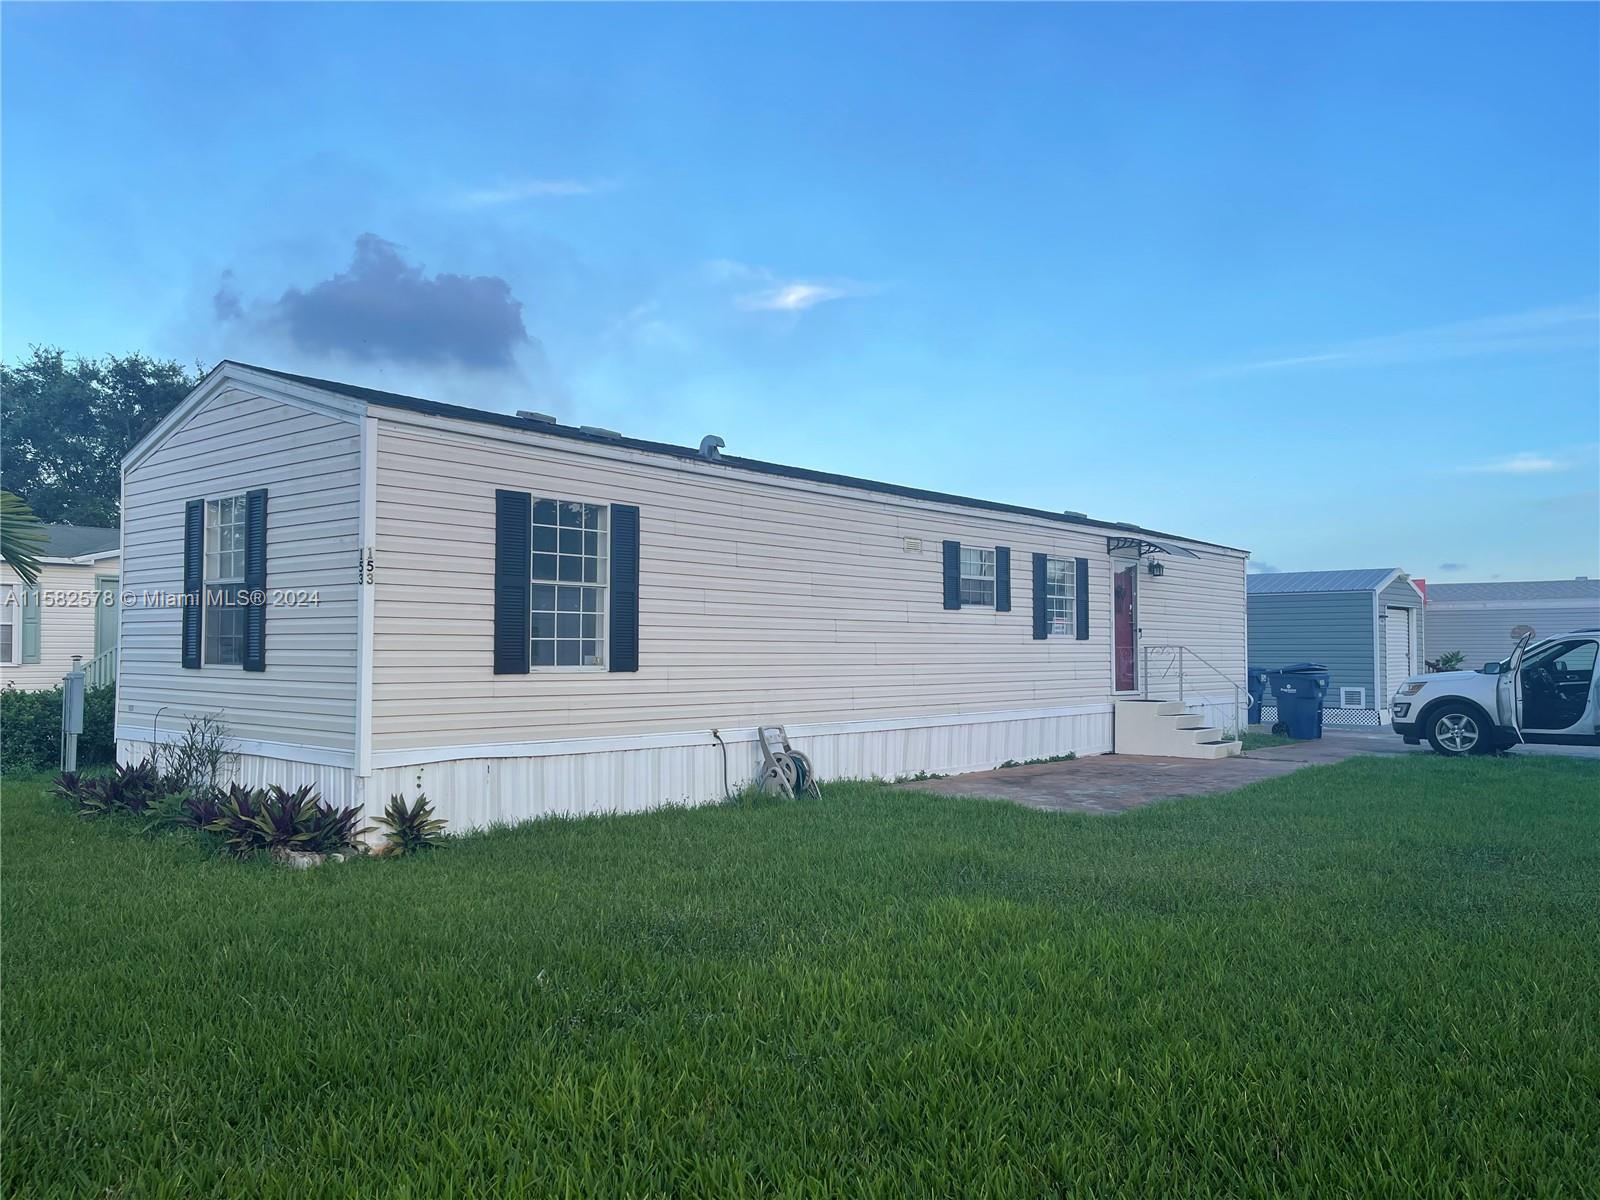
[1113,783]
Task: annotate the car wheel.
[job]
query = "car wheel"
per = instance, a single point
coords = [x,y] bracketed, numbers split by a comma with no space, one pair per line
[1456,731]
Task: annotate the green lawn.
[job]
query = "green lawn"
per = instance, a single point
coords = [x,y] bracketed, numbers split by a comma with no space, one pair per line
[1260,741]
[1378,978]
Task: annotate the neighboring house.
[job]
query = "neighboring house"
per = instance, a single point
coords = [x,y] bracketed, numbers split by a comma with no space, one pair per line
[521,618]
[1364,626]
[73,611]
[1484,620]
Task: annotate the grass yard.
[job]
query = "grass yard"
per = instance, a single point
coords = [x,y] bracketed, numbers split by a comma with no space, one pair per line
[1260,741]
[1377,978]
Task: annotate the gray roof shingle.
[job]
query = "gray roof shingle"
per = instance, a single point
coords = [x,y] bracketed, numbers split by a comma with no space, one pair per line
[74,541]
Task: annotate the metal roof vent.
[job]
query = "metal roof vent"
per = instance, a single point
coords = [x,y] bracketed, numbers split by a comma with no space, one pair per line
[597,431]
[542,418]
[1072,512]
[711,446]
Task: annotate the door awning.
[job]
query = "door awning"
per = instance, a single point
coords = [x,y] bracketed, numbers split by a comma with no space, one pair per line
[1143,546]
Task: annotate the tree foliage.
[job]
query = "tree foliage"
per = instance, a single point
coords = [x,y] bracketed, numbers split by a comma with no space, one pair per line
[69,421]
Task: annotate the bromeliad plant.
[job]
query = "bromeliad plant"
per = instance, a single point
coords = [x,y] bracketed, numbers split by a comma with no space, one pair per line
[411,828]
[252,819]
[132,788]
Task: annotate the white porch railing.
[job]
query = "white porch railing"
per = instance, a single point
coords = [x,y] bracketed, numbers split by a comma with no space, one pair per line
[101,669]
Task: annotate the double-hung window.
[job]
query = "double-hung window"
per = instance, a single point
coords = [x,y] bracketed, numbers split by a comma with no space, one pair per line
[977,577]
[568,610]
[224,581]
[10,638]
[1060,584]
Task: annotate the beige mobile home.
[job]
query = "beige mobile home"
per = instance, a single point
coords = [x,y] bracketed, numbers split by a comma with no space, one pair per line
[71,614]
[382,594]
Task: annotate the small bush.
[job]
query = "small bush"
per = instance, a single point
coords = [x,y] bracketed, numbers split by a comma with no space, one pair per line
[411,828]
[32,724]
[201,759]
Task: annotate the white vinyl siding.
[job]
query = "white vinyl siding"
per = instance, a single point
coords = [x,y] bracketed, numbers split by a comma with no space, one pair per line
[1198,604]
[760,599]
[309,463]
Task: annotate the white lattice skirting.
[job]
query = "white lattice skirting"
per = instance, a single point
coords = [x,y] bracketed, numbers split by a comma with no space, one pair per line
[1339,718]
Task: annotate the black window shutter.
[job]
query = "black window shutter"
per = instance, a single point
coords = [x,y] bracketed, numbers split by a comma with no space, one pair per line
[255,580]
[1080,599]
[952,574]
[1041,619]
[512,578]
[624,655]
[1002,579]
[194,544]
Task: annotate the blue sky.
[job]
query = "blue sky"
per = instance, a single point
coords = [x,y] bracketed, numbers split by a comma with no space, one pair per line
[1321,281]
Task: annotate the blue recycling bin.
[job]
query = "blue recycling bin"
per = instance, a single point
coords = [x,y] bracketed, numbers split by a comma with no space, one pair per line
[1299,690]
[1256,683]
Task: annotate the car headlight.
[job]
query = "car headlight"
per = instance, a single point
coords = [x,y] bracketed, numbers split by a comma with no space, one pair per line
[1410,689]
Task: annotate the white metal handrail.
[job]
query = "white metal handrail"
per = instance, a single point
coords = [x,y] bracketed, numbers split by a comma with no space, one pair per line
[1181,653]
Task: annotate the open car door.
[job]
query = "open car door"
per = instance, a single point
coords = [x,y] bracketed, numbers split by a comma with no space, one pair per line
[1508,689]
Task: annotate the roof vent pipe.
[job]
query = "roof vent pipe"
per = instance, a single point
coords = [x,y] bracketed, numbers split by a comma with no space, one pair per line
[711,446]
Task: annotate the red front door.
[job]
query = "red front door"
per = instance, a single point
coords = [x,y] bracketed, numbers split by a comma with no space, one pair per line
[1125,627]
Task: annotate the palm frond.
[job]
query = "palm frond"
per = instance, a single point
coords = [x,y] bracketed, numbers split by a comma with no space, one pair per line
[22,538]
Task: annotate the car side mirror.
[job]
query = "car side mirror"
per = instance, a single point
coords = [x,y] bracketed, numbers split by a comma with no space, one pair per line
[1492,668]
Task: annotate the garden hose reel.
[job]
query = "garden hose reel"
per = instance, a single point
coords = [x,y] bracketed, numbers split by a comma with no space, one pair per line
[785,771]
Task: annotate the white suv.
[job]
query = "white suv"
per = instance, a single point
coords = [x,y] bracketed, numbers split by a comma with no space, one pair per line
[1546,692]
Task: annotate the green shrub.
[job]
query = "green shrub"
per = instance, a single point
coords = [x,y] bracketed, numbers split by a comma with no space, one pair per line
[411,828]
[30,729]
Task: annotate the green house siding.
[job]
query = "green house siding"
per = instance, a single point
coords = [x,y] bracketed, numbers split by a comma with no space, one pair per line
[1332,628]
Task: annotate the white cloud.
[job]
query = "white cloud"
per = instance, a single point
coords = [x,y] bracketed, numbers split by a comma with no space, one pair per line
[530,189]
[1562,327]
[773,293]
[793,297]
[1525,463]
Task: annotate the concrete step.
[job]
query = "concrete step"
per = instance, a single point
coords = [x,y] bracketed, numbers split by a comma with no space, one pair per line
[1167,729]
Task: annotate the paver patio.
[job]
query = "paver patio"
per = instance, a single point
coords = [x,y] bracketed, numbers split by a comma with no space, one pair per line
[1113,783]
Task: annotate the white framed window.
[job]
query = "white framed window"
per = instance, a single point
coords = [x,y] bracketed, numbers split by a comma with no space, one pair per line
[1352,697]
[570,574]
[1060,597]
[224,580]
[10,626]
[977,577]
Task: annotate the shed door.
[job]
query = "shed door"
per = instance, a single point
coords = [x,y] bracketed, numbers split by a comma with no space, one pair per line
[1397,661]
